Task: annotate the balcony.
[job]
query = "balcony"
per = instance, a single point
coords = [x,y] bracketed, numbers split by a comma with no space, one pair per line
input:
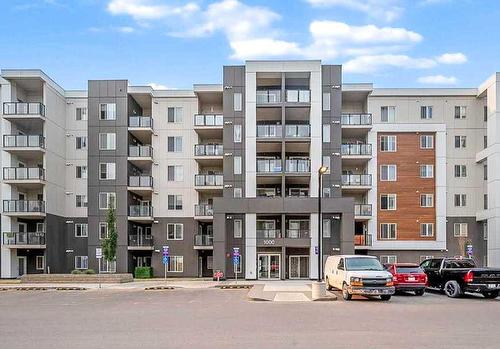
[268,234]
[265,97]
[140,242]
[141,127]
[208,181]
[269,166]
[24,208]
[140,184]
[140,213]
[357,182]
[209,126]
[269,132]
[203,212]
[140,155]
[298,166]
[21,110]
[27,177]
[362,119]
[356,154]
[209,154]
[298,234]
[21,144]
[298,96]
[362,211]
[363,241]
[297,131]
[203,242]
[24,240]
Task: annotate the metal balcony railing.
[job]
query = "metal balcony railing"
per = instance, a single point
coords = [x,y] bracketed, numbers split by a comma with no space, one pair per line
[18,238]
[140,181]
[203,210]
[140,240]
[363,210]
[208,150]
[140,211]
[23,206]
[23,173]
[268,96]
[297,131]
[269,131]
[298,96]
[208,180]
[141,151]
[298,234]
[268,234]
[140,121]
[356,119]
[363,240]
[208,120]
[269,165]
[203,240]
[298,165]
[23,141]
[356,149]
[357,180]
[21,108]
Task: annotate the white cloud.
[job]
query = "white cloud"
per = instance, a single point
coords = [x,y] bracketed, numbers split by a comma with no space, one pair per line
[438,80]
[148,10]
[266,47]
[387,10]
[156,86]
[374,63]
[124,29]
[452,58]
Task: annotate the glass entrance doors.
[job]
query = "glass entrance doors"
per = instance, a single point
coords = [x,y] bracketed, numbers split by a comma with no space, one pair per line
[298,267]
[269,266]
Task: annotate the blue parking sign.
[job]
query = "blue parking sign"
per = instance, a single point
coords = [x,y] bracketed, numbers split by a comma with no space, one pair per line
[165,260]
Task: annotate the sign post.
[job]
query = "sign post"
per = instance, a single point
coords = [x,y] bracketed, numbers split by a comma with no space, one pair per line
[236,261]
[166,256]
[98,255]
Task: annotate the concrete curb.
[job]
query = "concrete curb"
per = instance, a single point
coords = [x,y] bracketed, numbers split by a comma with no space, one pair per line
[158,288]
[234,287]
[35,288]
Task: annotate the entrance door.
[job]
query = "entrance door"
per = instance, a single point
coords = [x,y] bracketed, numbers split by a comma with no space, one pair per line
[22,237]
[22,265]
[269,266]
[298,267]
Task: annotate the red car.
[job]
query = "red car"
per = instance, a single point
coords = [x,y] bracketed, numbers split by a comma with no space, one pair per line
[408,277]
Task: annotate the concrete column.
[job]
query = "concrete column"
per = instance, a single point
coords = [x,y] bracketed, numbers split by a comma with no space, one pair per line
[219,252]
[313,257]
[250,246]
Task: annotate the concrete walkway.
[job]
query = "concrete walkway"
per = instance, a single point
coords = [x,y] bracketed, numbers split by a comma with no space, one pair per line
[286,292]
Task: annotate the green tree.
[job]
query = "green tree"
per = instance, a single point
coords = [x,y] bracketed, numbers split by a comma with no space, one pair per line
[109,244]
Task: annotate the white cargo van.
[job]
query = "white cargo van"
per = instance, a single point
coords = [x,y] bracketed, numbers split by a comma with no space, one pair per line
[356,274]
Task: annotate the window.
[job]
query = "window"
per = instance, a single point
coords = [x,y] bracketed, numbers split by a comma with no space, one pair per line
[237,193]
[326,101]
[175,202]
[40,262]
[388,259]
[326,133]
[460,200]
[485,230]
[326,163]
[460,229]
[107,170]
[326,193]
[237,165]
[485,113]
[238,228]
[426,142]
[107,141]
[426,200]
[103,230]
[388,143]
[81,114]
[426,229]
[485,201]
[485,142]
[388,114]
[174,114]
[175,231]
[81,262]
[81,230]
[237,101]
[426,112]
[176,264]
[423,258]
[388,231]
[388,172]
[107,266]
[175,144]
[426,171]
[81,142]
[327,228]
[237,133]
[175,173]
[107,111]
[460,112]
[81,200]
[485,172]
[81,171]
[460,171]
[460,141]
[388,201]
[107,200]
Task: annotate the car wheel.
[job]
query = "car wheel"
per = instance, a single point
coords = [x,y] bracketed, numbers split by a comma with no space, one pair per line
[385,297]
[491,294]
[345,293]
[452,289]
[419,292]
[328,286]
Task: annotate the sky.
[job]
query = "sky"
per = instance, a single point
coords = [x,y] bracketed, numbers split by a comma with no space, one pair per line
[175,44]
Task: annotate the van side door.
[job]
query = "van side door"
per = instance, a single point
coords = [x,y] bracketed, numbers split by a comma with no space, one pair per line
[340,274]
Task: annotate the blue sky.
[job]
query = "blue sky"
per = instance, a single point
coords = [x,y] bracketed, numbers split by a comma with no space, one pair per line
[392,43]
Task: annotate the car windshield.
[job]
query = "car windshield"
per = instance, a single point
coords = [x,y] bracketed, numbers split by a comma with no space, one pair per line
[363,264]
[408,269]
[459,263]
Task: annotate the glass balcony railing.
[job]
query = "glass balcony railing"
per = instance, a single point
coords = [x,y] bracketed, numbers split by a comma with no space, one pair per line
[268,234]
[23,141]
[23,206]
[23,173]
[140,181]
[357,180]
[297,131]
[268,96]
[140,121]
[140,211]
[298,234]
[208,150]
[356,149]
[363,210]
[18,238]
[203,210]
[363,240]
[203,240]
[298,96]
[19,108]
[356,119]
[269,131]
[208,120]
[298,165]
[140,151]
[140,240]
[208,180]
[269,165]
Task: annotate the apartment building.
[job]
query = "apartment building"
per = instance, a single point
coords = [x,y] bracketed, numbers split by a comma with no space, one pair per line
[236,166]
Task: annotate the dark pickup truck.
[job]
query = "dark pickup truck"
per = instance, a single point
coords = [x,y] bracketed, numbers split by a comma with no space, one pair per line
[455,276]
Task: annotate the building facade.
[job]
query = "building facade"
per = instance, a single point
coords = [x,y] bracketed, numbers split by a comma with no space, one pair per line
[234,167]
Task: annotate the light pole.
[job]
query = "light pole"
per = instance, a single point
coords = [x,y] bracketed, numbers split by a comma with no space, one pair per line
[321,171]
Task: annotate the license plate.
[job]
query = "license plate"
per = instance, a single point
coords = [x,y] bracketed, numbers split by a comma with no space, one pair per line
[492,286]
[411,278]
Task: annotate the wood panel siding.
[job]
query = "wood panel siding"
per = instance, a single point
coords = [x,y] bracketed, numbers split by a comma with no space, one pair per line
[408,186]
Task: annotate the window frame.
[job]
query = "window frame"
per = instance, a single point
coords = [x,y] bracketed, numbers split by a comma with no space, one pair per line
[108,201]
[177,115]
[388,173]
[110,141]
[240,230]
[108,165]
[426,174]
[427,196]
[391,117]
[389,197]
[460,226]
[37,259]
[175,236]
[84,233]
[84,262]
[388,143]
[388,225]
[424,144]
[176,263]
[175,205]
[237,101]
[426,112]
[426,230]
[111,111]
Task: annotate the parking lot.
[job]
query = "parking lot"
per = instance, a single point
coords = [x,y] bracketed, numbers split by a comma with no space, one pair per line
[213,318]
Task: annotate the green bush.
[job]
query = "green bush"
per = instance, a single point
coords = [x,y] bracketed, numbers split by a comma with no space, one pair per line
[89,271]
[143,272]
[76,271]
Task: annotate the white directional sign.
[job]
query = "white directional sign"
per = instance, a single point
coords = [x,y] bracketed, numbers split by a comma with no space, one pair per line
[98,252]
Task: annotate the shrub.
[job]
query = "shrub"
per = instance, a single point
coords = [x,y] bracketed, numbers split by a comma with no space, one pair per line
[89,271]
[143,272]
[76,271]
